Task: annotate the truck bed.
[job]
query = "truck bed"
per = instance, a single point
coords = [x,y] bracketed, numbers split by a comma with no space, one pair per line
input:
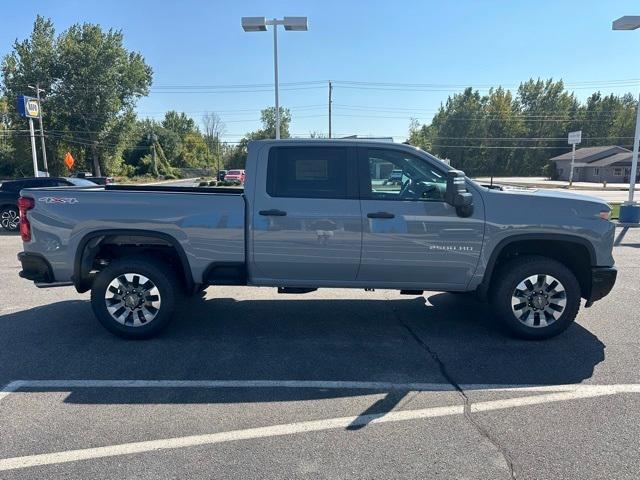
[206,224]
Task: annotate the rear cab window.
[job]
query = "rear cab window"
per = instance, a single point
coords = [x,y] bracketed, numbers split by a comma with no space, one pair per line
[312,172]
[78,182]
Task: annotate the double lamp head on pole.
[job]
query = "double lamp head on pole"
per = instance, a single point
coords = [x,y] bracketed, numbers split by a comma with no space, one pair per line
[259,24]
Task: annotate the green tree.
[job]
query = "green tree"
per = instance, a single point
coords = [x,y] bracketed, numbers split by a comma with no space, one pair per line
[505,133]
[147,135]
[32,60]
[549,112]
[236,156]
[502,123]
[213,130]
[92,84]
[606,119]
[179,123]
[456,122]
[8,162]
[195,152]
[268,118]
[180,141]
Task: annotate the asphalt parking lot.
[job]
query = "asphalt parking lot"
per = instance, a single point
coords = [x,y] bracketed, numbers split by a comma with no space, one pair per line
[249,384]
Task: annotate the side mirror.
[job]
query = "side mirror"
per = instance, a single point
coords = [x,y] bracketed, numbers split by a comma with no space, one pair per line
[457,195]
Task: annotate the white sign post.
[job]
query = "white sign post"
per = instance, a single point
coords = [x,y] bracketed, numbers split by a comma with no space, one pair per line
[573,139]
[29,107]
[33,148]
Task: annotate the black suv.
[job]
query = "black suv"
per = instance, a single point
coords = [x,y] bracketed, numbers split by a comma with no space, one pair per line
[10,192]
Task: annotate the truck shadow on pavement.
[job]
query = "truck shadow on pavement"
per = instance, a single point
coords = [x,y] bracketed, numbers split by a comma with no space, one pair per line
[300,339]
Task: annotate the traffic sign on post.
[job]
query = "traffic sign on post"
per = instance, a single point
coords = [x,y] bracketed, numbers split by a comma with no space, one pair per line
[68,160]
[573,139]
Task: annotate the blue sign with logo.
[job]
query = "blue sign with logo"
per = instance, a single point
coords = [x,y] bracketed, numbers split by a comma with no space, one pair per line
[28,107]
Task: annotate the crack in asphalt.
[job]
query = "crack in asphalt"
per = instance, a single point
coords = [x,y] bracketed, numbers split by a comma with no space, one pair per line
[466,402]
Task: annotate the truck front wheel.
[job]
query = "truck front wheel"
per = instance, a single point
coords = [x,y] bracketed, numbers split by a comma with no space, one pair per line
[134,297]
[535,297]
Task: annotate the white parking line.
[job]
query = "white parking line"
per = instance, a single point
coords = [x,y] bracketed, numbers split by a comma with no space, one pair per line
[577,392]
[10,388]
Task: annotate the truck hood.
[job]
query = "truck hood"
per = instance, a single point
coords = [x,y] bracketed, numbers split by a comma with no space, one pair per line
[555,193]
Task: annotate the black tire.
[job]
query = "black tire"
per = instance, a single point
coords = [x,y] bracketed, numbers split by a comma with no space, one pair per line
[7,217]
[161,277]
[511,274]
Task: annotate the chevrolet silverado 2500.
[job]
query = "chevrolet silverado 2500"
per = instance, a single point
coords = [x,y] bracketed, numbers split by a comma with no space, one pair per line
[321,213]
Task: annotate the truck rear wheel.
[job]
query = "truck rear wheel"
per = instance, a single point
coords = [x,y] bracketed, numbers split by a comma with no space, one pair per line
[134,297]
[535,297]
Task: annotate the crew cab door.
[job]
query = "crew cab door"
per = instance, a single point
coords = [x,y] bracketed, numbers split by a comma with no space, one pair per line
[411,236]
[306,223]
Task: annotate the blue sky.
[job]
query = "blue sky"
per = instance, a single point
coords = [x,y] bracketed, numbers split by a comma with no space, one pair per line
[450,44]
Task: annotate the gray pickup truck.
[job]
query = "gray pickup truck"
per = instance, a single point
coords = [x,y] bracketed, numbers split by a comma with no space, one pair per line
[322,213]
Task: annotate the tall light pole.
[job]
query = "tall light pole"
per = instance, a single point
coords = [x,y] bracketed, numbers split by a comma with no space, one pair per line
[632,211]
[259,24]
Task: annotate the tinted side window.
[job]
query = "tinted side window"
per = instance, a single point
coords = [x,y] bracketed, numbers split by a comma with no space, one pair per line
[36,183]
[49,182]
[60,183]
[308,172]
[12,186]
[396,175]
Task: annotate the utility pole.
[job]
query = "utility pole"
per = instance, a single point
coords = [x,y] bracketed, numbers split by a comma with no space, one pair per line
[96,162]
[44,150]
[218,157]
[154,139]
[330,91]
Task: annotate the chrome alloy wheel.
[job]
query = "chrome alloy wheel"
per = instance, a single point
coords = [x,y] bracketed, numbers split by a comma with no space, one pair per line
[10,219]
[538,301]
[132,299]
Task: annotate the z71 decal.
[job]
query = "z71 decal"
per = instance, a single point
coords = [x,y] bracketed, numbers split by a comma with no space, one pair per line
[58,200]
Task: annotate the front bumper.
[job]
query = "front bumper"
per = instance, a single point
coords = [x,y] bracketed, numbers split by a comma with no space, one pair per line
[35,267]
[602,281]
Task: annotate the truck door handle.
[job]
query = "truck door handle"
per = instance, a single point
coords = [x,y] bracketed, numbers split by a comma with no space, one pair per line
[273,213]
[380,215]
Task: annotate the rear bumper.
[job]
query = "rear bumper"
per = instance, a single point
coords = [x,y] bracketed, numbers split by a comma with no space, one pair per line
[35,267]
[602,281]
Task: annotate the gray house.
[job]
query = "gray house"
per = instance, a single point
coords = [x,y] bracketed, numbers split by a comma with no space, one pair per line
[596,164]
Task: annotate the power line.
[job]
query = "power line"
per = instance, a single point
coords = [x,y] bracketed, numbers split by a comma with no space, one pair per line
[200,92]
[323,82]
[459,85]
[540,113]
